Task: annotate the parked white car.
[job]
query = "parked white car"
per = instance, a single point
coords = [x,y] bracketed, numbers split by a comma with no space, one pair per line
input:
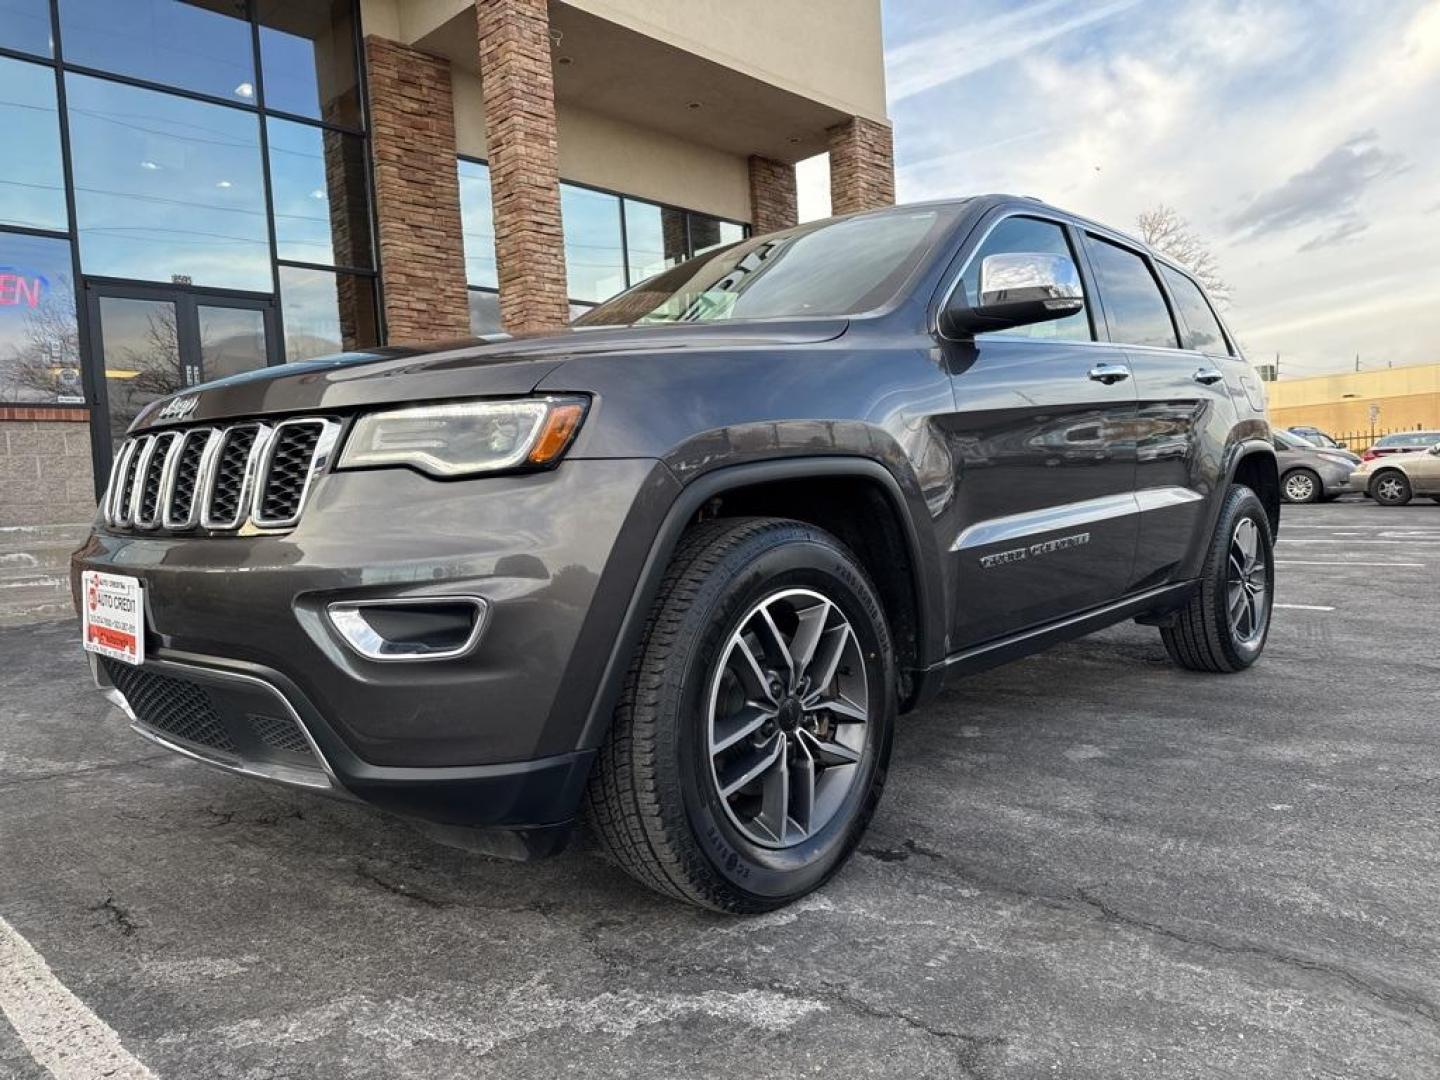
[1395,479]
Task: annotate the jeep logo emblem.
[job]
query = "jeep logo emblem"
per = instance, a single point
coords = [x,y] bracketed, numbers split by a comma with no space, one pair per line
[179,408]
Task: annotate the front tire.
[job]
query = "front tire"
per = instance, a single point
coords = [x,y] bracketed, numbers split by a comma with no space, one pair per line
[751,742]
[1225,623]
[1390,487]
[1301,486]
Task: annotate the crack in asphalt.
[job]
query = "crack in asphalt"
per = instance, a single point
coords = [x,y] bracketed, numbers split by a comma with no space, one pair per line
[398,888]
[118,917]
[1396,998]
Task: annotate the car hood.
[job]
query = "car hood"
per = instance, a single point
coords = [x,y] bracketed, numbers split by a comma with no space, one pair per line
[478,367]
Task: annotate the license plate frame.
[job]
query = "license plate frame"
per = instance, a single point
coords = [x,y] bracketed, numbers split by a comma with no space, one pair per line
[112,616]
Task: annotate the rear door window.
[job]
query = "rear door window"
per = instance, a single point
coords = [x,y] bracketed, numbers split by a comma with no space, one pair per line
[1134,305]
[1200,329]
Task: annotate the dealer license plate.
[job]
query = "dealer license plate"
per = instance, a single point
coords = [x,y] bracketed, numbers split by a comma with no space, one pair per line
[113,616]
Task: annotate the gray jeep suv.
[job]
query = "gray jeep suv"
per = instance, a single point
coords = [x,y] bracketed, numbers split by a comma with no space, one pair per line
[676,569]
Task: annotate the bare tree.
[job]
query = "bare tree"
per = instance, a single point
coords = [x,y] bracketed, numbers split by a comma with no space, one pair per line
[1170,234]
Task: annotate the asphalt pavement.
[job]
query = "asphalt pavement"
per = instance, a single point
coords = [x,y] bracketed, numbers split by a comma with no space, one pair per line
[1086,864]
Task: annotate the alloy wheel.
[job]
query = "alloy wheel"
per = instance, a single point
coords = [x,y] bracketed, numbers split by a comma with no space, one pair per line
[1389,488]
[1247,583]
[787,718]
[1299,487]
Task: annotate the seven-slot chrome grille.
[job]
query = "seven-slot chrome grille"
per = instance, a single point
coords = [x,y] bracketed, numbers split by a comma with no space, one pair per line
[218,477]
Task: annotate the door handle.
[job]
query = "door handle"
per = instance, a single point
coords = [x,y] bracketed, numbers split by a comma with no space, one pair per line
[1207,376]
[1109,373]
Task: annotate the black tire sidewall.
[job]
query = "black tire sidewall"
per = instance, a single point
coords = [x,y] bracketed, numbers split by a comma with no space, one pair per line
[755,571]
[1242,503]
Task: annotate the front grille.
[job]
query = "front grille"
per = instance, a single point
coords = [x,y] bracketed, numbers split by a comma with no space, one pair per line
[218,478]
[178,708]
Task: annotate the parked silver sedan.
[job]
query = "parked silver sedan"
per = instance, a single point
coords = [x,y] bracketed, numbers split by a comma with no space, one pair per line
[1397,478]
[1309,473]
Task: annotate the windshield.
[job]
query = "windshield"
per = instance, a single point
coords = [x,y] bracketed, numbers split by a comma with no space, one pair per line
[842,266]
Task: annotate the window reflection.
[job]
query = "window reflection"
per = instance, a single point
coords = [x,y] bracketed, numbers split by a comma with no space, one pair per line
[707,233]
[25,26]
[325,312]
[307,54]
[232,340]
[32,183]
[141,342]
[166,186]
[484,313]
[317,179]
[656,238]
[477,224]
[594,256]
[39,346]
[200,46]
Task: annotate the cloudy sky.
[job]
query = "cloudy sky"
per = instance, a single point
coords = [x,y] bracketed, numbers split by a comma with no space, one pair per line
[1301,138]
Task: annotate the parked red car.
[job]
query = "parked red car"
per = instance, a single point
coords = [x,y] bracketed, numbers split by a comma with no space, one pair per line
[1403,442]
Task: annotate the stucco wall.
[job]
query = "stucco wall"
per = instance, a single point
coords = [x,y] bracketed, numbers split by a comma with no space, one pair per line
[1407,397]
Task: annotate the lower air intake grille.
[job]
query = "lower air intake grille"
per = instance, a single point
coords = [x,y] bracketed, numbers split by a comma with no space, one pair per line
[178,708]
[279,733]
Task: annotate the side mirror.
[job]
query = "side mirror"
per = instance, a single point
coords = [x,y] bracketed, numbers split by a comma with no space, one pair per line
[1435,449]
[1017,289]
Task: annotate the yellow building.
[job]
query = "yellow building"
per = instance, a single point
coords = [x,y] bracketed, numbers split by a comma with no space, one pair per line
[1402,398]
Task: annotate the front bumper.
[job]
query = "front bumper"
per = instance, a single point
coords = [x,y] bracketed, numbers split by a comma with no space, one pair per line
[493,738]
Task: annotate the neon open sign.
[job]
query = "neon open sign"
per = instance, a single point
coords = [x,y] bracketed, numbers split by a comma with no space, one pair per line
[21,288]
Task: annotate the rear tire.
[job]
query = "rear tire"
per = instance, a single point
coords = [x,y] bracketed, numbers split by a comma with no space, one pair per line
[1390,487]
[668,799]
[1224,625]
[1301,486]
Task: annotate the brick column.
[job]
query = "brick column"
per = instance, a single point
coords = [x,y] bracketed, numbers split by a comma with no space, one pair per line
[417,193]
[862,166]
[772,195]
[519,92]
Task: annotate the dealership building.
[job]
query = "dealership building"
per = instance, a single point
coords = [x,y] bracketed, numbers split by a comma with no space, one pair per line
[190,190]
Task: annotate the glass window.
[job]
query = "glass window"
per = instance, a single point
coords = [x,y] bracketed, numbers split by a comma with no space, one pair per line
[317,180]
[39,349]
[656,238]
[307,55]
[200,46]
[707,233]
[232,340]
[840,266]
[484,312]
[141,342]
[477,225]
[326,312]
[1134,305]
[32,182]
[594,259]
[1201,328]
[1026,234]
[25,26]
[167,187]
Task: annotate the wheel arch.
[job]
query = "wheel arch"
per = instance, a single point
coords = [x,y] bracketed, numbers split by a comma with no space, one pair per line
[1254,464]
[770,487]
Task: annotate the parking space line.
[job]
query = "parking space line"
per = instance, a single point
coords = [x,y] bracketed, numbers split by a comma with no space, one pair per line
[1305,607]
[1341,562]
[57,1028]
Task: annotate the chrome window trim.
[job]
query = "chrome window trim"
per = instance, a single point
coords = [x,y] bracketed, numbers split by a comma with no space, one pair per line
[247,479]
[213,436]
[482,622]
[319,459]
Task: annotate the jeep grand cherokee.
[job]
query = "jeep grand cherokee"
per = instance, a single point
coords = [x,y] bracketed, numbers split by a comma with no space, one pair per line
[676,569]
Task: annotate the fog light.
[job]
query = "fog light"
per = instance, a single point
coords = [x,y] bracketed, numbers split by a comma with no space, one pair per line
[418,628]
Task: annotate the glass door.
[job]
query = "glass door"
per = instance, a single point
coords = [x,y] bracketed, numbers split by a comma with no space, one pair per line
[153,341]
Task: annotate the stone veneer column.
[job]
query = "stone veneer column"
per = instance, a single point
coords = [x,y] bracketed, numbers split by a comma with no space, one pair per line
[417,193]
[862,166]
[519,93]
[772,195]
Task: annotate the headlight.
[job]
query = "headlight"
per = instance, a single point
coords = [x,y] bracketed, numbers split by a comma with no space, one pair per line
[465,437]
